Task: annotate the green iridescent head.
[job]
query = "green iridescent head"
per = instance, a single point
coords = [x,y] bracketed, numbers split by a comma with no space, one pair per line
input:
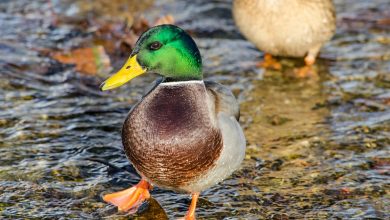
[169,51]
[165,50]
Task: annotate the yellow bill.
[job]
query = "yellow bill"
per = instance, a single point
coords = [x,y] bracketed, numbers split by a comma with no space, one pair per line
[129,71]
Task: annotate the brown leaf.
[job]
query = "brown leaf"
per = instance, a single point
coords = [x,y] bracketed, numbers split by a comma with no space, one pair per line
[167,19]
[91,60]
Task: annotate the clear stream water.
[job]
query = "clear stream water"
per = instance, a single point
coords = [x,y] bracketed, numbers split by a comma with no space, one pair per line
[318,148]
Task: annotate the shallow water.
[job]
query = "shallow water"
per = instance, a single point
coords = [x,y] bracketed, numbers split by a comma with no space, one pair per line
[318,148]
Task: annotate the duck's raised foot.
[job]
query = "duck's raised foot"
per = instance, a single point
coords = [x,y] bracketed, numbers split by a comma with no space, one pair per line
[130,200]
[269,63]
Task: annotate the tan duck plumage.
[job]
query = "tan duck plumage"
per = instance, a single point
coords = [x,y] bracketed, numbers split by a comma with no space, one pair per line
[294,28]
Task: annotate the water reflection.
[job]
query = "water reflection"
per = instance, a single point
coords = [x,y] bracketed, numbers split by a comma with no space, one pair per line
[318,148]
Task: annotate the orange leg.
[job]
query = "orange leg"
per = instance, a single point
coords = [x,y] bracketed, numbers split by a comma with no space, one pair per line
[191,211]
[310,59]
[269,63]
[130,199]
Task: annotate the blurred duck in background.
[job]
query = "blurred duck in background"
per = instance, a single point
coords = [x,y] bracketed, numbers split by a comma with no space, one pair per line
[293,28]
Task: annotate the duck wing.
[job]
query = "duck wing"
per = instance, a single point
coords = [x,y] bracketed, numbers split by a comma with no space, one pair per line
[224,99]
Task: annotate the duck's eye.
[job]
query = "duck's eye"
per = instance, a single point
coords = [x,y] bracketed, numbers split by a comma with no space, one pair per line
[155,45]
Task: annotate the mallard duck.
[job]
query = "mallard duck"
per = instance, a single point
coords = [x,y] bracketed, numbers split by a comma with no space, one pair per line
[295,28]
[184,134]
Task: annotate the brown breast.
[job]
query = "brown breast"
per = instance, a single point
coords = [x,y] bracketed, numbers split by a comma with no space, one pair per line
[170,137]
